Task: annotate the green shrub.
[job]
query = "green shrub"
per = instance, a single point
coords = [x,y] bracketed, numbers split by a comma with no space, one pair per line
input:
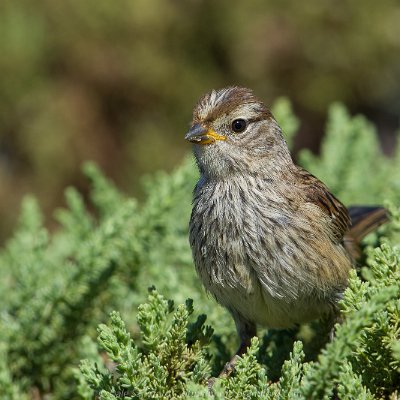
[59,290]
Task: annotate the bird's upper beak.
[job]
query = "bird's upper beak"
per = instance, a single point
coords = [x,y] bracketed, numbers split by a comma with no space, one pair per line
[200,135]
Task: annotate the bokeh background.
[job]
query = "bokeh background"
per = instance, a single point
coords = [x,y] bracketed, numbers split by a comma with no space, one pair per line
[115,81]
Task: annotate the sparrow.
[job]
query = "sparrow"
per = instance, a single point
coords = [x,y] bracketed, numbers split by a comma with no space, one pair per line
[269,240]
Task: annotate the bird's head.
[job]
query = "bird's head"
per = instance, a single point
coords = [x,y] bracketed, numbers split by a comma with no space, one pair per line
[234,132]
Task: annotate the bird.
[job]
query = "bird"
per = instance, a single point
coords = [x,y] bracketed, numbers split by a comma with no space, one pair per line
[269,241]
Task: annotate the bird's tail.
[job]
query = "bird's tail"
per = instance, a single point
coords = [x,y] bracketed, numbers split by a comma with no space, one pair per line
[364,219]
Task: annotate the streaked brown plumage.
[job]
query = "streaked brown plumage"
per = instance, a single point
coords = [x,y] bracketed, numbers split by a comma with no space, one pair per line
[269,240]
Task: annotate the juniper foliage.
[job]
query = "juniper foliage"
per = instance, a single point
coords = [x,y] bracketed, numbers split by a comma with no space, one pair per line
[58,292]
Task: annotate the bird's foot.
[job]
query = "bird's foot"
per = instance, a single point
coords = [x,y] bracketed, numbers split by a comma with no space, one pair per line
[226,372]
[229,367]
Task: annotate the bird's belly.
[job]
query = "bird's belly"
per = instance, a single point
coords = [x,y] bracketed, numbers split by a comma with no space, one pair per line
[261,262]
[267,290]
[248,298]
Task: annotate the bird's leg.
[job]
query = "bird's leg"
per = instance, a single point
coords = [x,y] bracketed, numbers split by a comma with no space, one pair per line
[246,331]
[335,318]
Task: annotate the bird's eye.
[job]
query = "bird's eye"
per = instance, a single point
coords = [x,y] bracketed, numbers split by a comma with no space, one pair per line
[239,125]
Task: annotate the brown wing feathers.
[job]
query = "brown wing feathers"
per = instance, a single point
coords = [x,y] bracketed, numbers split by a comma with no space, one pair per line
[349,225]
[318,193]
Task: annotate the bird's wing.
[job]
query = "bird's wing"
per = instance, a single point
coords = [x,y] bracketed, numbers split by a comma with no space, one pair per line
[317,193]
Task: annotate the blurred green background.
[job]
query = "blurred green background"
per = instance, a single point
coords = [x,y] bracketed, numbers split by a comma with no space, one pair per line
[115,81]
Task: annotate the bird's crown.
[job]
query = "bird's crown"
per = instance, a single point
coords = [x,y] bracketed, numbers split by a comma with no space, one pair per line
[223,101]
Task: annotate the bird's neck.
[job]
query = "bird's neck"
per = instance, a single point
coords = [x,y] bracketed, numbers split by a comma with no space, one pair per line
[219,163]
[272,172]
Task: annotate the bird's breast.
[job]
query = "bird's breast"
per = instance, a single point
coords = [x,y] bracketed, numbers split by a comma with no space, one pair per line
[252,250]
[232,225]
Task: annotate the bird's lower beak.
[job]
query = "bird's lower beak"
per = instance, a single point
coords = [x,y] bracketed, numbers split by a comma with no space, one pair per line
[200,135]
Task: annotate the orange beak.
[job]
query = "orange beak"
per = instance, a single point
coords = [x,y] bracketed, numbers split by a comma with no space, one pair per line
[200,135]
